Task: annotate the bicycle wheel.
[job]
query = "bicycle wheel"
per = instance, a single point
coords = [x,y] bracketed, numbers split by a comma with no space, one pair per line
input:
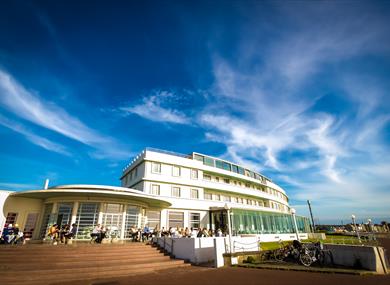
[305,259]
[279,254]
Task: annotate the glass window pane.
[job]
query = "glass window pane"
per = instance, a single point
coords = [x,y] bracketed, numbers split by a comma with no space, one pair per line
[176,219]
[198,157]
[194,220]
[208,161]
[226,166]
[235,168]
[241,170]
[86,220]
[219,164]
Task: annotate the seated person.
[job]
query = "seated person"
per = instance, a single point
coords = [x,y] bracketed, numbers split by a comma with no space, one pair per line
[146,233]
[96,232]
[71,233]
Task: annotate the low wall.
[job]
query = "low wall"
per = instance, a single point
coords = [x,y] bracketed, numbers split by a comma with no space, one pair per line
[207,249]
[371,258]
[278,237]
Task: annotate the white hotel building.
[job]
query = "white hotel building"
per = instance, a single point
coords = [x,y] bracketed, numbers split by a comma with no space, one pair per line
[161,189]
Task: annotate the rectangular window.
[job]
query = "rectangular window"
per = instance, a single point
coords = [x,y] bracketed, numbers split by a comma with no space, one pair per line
[198,157]
[208,196]
[194,194]
[235,168]
[208,161]
[206,177]
[235,200]
[176,170]
[176,219]
[194,220]
[86,219]
[241,170]
[227,181]
[153,219]
[226,166]
[219,164]
[11,218]
[226,198]
[216,179]
[247,185]
[240,200]
[155,189]
[156,167]
[175,192]
[217,197]
[136,172]
[194,174]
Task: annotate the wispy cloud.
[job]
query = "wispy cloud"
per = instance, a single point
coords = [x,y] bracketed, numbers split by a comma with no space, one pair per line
[268,110]
[29,106]
[17,186]
[35,139]
[152,108]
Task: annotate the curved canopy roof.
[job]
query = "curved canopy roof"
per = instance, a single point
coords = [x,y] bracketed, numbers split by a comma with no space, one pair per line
[96,191]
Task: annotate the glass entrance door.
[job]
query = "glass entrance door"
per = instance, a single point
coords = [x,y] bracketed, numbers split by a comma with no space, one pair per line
[219,220]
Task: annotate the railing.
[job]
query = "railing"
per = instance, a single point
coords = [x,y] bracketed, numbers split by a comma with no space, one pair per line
[245,246]
[168,152]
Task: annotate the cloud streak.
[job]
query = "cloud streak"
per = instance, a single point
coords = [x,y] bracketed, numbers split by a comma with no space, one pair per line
[26,105]
[152,108]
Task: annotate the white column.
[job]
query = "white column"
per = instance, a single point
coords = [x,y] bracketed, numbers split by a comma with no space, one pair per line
[55,208]
[295,223]
[100,218]
[123,221]
[74,212]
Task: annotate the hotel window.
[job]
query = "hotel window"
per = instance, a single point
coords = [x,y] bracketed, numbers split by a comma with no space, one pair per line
[155,189]
[176,219]
[219,164]
[247,185]
[227,181]
[216,179]
[226,198]
[64,213]
[208,196]
[217,197]
[87,218]
[206,177]
[198,157]
[194,174]
[156,167]
[241,171]
[226,166]
[194,194]
[175,192]
[208,161]
[11,218]
[235,199]
[136,172]
[240,200]
[235,168]
[175,170]
[194,220]
[153,218]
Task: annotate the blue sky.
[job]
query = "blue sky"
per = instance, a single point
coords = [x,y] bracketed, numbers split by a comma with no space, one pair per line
[296,90]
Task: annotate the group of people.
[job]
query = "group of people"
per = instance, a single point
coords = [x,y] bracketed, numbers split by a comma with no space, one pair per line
[146,233]
[62,234]
[190,232]
[99,232]
[11,235]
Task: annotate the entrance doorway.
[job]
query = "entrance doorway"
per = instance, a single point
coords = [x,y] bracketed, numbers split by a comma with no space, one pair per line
[219,220]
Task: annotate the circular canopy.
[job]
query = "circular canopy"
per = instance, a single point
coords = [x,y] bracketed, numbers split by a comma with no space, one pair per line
[95,191]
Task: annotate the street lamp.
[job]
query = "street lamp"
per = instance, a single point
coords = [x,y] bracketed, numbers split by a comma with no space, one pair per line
[229,228]
[292,211]
[356,228]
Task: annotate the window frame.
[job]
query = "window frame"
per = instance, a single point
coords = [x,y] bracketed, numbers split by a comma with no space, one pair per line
[160,166]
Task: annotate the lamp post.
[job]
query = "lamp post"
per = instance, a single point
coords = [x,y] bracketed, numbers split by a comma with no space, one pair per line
[229,228]
[295,222]
[356,228]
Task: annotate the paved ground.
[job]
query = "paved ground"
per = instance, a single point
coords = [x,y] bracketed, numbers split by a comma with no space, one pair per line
[234,276]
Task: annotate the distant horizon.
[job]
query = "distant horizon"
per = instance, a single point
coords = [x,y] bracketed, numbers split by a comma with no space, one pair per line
[297,91]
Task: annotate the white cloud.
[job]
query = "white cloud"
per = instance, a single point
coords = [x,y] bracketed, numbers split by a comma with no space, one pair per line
[266,110]
[38,140]
[17,186]
[23,103]
[152,109]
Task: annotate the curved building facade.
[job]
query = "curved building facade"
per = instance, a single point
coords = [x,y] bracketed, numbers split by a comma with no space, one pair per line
[161,189]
